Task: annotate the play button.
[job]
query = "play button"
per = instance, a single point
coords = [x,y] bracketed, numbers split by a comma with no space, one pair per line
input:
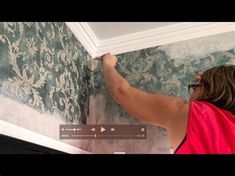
[102,129]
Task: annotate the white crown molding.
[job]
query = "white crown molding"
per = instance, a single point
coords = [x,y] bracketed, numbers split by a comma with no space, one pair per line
[85,35]
[146,39]
[17,132]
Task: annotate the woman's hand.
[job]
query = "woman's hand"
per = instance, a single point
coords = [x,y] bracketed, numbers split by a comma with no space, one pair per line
[108,59]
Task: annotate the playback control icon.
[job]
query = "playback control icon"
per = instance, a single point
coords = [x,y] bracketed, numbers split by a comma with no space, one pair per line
[103,131]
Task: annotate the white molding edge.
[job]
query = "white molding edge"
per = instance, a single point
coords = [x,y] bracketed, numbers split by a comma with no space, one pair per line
[85,35]
[15,131]
[146,39]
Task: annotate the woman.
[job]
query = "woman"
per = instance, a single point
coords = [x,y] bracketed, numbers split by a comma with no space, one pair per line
[204,125]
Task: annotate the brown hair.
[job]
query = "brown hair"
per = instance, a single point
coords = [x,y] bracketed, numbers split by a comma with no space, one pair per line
[218,87]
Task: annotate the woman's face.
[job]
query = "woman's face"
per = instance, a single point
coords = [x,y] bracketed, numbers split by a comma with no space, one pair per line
[196,90]
[195,93]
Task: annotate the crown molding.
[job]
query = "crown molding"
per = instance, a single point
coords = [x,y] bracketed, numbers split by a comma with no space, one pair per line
[85,35]
[146,39]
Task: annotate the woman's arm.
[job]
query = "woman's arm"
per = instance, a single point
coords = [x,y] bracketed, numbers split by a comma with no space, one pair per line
[165,111]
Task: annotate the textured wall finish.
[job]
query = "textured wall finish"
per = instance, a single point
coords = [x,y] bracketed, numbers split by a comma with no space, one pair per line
[43,66]
[43,76]
[167,70]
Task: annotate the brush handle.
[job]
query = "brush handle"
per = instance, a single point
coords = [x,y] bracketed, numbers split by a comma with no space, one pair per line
[97,58]
[100,57]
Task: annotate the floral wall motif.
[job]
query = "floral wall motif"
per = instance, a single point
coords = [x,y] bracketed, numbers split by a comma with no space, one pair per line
[167,70]
[43,68]
[43,65]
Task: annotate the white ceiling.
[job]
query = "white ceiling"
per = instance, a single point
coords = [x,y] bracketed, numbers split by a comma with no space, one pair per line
[107,30]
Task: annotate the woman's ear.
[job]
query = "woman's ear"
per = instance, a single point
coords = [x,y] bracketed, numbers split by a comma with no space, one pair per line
[197,76]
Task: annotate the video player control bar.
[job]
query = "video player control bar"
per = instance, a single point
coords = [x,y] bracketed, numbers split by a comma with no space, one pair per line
[103,131]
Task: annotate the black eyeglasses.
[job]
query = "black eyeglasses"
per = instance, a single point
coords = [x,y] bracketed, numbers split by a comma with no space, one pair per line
[191,87]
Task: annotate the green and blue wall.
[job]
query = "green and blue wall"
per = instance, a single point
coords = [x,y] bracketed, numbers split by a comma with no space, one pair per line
[44,81]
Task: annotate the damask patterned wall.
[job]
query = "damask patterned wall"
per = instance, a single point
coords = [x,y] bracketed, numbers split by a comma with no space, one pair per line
[167,70]
[43,76]
[43,65]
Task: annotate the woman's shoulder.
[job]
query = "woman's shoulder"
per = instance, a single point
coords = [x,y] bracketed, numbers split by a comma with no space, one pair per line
[207,109]
[202,104]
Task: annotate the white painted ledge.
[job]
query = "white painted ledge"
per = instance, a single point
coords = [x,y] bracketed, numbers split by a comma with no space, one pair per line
[15,131]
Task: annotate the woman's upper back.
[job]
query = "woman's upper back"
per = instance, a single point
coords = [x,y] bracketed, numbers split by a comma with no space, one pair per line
[210,130]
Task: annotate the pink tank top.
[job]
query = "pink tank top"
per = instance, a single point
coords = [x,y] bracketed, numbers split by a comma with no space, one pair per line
[210,130]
